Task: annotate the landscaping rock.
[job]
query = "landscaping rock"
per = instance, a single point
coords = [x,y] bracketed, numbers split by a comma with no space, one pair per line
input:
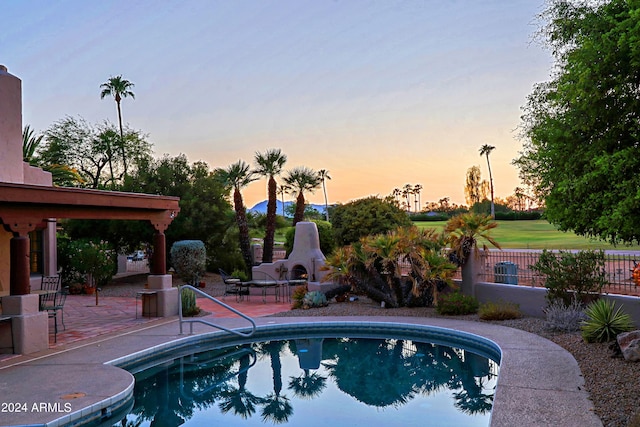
[629,343]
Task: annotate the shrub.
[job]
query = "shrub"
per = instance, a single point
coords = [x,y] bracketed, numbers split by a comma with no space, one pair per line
[298,296]
[570,274]
[314,299]
[240,274]
[562,317]
[189,307]
[365,217]
[604,322]
[500,310]
[456,303]
[189,258]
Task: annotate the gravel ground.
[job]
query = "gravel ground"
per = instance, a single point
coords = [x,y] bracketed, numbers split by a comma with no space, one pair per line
[613,383]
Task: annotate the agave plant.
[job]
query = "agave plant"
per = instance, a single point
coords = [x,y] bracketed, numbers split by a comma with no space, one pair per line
[463,233]
[604,321]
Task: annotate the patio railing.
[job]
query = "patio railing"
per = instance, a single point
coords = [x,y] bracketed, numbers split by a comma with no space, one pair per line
[513,266]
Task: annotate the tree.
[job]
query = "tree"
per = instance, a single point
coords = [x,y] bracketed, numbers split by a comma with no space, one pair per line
[301,179]
[236,177]
[485,150]
[269,165]
[416,199]
[75,144]
[323,175]
[580,128]
[363,217]
[118,88]
[473,187]
[282,190]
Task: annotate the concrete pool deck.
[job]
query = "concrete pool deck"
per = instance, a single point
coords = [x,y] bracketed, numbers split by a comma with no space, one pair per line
[539,384]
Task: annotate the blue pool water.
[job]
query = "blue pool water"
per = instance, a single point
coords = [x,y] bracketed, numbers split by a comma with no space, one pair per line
[317,381]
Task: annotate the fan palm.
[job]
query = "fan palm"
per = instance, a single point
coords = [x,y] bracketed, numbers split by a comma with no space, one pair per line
[323,175]
[238,176]
[301,179]
[463,232]
[118,88]
[485,150]
[269,165]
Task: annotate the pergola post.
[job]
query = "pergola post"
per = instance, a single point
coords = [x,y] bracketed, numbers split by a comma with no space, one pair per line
[159,281]
[29,325]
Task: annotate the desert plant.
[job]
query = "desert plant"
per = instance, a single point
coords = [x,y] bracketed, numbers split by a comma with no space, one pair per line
[456,303]
[404,267]
[501,310]
[563,317]
[189,306]
[298,296]
[604,321]
[463,233]
[314,299]
[568,275]
[189,258]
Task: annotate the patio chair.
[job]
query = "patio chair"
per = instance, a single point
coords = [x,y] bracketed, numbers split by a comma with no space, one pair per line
[50,283]
[53,303]
[265,281]
[233,286]
[293,283]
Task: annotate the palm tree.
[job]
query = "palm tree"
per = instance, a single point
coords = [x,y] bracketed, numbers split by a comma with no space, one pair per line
[238,176]
[118,88]
[282,190]
[301,179]
[30,144]
[323,175]
[269,165]
[416,192]
[407,190]
[485,150]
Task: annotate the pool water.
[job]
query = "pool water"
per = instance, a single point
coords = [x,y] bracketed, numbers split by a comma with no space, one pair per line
[318,382]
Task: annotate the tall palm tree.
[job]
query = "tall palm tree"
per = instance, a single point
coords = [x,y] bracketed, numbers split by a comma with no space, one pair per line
[118,88]
[238,176]
[282,190]
[269,165]
[407,190]
[485,150]
[301,179]
[323,175]
[416,193]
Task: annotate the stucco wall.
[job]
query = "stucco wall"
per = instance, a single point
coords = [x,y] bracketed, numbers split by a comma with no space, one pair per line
[11,169]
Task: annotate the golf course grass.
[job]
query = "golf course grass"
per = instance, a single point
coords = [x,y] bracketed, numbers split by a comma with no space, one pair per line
[536,234]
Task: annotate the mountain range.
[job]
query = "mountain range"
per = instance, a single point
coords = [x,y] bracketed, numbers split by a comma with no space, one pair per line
[262,207]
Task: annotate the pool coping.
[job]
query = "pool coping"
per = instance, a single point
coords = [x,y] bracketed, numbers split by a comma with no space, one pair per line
[539,382]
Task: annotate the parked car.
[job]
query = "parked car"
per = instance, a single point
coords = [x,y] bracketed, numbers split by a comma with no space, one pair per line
[138,256]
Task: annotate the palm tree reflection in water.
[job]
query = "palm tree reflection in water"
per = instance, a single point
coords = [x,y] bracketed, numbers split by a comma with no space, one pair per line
[380,373]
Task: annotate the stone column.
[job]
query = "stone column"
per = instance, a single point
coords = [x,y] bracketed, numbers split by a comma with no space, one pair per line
[159,281]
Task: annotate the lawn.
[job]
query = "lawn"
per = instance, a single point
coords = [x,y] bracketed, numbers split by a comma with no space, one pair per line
[538,234]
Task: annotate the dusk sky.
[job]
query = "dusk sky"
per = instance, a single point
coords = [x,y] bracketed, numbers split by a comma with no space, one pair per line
[380,93]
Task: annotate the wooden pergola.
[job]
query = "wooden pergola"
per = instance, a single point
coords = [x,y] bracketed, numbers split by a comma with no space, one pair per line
[24,208]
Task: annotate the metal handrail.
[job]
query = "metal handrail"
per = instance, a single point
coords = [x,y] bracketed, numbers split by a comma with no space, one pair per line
[200,320]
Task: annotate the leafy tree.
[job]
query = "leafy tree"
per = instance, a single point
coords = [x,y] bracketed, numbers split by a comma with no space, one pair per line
[474,190]
[301,179]
[118,88]
[363,217]
[269,165]
[80,146]
[485,150]
[236,177]
[61,175]
[581,127]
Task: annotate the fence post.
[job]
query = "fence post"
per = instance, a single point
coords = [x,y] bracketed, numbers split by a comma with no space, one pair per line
[471,272]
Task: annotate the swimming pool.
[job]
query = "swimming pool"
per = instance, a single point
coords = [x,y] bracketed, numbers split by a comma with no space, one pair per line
[313,375]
